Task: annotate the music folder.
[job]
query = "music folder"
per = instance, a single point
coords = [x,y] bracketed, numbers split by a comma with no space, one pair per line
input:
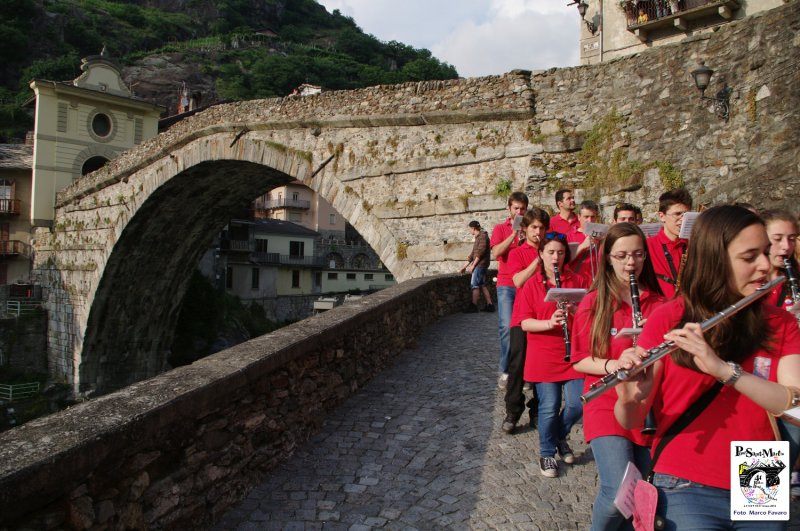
[569,295]
[596,230]
[687,224]
[517,223]
[650,229]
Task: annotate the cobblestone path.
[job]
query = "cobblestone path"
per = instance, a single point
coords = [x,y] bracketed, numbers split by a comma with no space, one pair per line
[420,447]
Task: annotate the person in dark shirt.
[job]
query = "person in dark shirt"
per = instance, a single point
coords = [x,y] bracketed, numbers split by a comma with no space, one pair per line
[477,264]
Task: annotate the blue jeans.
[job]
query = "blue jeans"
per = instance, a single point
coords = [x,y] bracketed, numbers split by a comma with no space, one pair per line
[791,433]
[612,454]
[688,505]
[554,427]
[505,304]
[478,277]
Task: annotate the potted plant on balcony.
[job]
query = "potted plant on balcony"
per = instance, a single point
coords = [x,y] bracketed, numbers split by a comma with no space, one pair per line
[629,8]
[674,6]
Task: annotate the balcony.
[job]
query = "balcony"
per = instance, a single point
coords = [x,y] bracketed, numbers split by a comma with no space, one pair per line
[10,207]
[244,246]
[14,248]
[666,14]
[283,203]
[287,259]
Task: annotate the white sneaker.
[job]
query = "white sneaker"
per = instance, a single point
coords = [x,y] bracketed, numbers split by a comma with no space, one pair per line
[502,381]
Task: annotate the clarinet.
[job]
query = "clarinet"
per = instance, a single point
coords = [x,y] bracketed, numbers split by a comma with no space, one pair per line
[650,421]
[564,325]
[668,347]
[791,277]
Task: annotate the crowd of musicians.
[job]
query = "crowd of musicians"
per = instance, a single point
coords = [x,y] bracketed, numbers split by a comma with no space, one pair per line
[676,418]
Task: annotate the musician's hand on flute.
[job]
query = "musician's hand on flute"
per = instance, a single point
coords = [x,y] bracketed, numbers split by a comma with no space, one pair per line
[557,318]
[690,339]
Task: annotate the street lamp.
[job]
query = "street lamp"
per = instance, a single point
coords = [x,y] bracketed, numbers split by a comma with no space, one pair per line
[702,78]
[582,7]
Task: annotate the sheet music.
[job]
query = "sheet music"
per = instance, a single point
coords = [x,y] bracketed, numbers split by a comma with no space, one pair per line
[517,223]
[571,295]
[595,230]
[650,229]
[624,498]
[688,223]
[573,249]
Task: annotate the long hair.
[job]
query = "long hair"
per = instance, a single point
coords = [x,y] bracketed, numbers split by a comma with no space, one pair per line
[707,286]
[606,285]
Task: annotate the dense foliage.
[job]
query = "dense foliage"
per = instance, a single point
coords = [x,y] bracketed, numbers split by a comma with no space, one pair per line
[45,39]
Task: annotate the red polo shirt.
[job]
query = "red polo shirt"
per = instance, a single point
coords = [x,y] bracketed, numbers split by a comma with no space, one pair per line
[701,451]
[598,415]
[655,248]
[519,259]
[500,232]
[565,226]
[544,357]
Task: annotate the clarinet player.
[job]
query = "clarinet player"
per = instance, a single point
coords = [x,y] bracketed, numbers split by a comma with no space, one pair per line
[606,310]
[712,374]
[544,360]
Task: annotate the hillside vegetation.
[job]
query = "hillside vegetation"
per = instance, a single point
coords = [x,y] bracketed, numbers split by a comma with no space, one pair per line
[237,49]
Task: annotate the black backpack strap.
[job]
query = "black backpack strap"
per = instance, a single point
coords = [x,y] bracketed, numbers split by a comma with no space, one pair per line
[670,263]
[682,422]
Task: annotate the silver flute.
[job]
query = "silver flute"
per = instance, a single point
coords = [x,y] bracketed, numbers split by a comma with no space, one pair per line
[668,347]
[563,306]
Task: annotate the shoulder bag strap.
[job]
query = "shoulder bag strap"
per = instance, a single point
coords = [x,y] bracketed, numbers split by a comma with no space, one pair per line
[683,421]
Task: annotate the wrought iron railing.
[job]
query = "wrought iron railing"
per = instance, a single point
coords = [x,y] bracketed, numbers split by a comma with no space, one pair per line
[10,206]
[282,203]
[14,247]
[9,393]
[643,12]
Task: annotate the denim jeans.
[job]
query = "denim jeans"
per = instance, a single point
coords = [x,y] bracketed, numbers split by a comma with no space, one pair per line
[505,304]
[688,505]
[478,277]
[791,433]
[612,454]
[554,427]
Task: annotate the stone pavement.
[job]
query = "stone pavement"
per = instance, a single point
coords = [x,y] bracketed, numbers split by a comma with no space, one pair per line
[420,447]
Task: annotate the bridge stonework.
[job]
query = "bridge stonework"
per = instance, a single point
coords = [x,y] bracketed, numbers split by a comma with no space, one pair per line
[409,166]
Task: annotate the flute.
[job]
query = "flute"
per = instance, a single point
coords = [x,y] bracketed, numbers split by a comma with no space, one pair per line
[668,347]
[564,325]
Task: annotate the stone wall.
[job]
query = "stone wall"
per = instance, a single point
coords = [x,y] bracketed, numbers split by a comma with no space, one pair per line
[23,343]
[752,157]
[175,451]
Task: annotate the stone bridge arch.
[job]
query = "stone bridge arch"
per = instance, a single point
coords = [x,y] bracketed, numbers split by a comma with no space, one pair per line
[126,238]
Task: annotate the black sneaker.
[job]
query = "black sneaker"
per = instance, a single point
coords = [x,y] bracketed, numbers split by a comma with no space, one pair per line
[565,452]
[548,467]
[471,309]
[488,308]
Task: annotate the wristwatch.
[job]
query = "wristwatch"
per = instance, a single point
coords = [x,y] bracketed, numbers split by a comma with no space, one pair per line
[734,377]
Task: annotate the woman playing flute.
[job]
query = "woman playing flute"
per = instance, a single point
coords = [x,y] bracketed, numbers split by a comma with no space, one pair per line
[544,359]
[606,310]
[727,259]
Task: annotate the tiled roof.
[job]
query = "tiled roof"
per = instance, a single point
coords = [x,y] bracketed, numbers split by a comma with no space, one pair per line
[16,157]
[277,226]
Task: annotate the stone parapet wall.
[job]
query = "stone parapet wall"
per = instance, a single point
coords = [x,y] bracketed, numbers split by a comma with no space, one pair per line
[174,451]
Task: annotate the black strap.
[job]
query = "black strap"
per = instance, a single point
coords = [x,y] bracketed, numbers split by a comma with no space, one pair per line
[670,263]
[783,295]
[665,278]
[683,421]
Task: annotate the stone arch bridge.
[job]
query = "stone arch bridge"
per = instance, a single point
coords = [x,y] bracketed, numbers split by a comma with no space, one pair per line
[408,166]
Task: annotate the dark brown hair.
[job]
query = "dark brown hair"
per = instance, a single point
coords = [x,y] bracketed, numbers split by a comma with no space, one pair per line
[707,286]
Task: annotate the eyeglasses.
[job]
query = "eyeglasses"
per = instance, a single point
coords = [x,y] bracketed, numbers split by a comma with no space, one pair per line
[555,236]
[677,215]
[637,256]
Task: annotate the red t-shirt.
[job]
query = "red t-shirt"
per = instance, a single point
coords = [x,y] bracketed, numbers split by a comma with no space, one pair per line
[780,296]
[598,415]
[544,357]
[519,259]
[500,232]
[565,226]
[701,451]
[656,251]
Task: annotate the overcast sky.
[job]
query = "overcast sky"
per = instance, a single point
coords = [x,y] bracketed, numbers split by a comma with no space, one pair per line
[478,37]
